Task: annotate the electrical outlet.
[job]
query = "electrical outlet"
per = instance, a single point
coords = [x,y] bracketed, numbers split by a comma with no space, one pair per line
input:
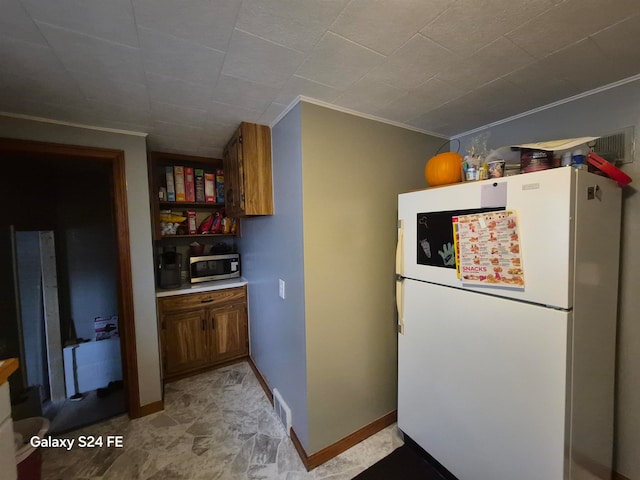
[281,288]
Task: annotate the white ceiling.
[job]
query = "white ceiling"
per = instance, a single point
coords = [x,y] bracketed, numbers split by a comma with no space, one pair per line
[188,71]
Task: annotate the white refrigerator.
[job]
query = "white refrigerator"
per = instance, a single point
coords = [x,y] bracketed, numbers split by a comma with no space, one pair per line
[510,378]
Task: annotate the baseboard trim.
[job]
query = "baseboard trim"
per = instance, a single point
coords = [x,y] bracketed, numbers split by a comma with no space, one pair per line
[260,377]
[312,461]
[300,449]
[179,376]
[148,409]
[595,469]
[618,476]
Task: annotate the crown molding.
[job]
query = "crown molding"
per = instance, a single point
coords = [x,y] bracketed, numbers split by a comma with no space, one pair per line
[320,103]
[573,98]
[71,124]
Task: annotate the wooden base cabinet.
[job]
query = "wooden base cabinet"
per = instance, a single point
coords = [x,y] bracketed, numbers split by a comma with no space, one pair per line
[186,338]
[202,330]
[230,326]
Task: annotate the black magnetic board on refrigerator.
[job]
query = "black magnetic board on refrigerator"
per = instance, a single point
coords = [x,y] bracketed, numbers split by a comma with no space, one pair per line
[434,239]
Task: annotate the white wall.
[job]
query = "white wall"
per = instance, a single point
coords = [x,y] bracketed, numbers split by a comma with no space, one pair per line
[598,114]
[144,305]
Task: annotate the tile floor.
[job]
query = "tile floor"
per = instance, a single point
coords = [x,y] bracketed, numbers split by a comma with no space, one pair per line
[217,425]
[68,415]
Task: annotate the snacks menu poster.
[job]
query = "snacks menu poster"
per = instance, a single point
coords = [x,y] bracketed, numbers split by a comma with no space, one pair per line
[488,249]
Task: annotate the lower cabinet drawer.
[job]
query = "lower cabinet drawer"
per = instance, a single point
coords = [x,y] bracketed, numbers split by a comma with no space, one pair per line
[197,300]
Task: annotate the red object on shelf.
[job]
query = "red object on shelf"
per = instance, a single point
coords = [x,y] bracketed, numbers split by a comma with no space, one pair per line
[191,222]
[210,187]
[611,170]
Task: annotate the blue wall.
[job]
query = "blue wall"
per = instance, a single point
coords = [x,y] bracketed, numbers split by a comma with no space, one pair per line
[86,251]
[272,249]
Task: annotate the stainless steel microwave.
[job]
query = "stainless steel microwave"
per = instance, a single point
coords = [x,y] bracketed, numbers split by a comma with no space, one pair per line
[205,268]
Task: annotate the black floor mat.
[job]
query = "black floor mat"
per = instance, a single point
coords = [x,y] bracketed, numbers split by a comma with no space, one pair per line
[404,463]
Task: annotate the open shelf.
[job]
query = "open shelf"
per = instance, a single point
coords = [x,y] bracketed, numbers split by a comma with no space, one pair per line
[158,161]
[176,205]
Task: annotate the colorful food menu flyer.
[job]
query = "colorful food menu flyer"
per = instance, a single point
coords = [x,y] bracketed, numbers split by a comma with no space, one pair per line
[488,249]
[456,243]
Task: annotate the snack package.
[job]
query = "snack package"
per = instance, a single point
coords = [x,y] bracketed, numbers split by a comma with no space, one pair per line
[205,225]
[217,227]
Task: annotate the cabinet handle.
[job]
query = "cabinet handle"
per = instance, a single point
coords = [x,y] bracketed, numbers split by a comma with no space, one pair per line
[206,301]
[213,323]
[203,327]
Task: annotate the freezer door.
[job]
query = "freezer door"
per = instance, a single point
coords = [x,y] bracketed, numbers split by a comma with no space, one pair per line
[544,204]
[482,383]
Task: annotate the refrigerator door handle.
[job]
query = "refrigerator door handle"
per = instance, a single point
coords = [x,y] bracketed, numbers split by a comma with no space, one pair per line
[400,249]
[400,304]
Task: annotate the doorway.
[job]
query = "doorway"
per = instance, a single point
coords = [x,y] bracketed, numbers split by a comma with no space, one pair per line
[29,213]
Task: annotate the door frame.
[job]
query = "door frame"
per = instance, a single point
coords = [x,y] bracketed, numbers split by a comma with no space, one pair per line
[126,318]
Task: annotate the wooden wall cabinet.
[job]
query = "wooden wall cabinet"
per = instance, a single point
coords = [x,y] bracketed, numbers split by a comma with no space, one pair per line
[247,168]
[202,330]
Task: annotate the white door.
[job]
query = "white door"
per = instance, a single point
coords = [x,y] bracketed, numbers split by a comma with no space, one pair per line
[544,204]
[482,383]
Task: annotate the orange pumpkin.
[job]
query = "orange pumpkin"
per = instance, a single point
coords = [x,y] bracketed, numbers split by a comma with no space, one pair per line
[443,169]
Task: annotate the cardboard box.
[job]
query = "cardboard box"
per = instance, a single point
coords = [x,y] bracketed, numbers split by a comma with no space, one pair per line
[178,177]
[209,188]
[171,189]
[106,327]
[191,222]
[199,184]
[189,185]
[220,185]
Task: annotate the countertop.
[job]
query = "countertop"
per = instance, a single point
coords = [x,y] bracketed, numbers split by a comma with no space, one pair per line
[7,367]
[202,287]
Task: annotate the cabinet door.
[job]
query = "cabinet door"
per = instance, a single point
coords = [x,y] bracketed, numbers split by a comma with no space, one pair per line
[247,170]
[229,328]
[234,176]
[256,170]
[185,340]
